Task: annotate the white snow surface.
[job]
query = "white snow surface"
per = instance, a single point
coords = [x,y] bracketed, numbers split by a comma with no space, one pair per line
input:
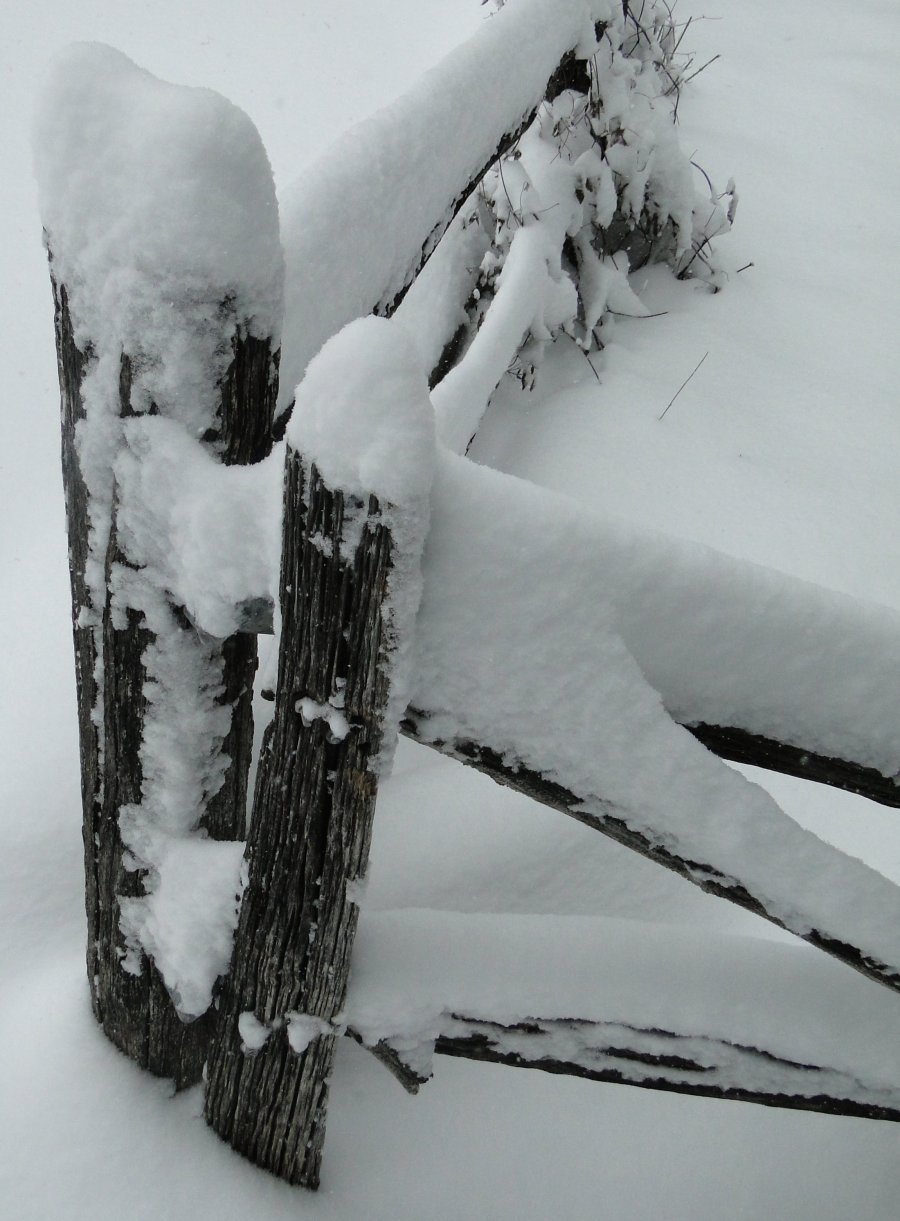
[356,221]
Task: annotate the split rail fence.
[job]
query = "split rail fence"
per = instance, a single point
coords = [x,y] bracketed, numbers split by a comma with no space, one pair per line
[316,788]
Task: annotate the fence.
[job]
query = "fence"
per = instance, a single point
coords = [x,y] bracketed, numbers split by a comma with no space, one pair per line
[170,381]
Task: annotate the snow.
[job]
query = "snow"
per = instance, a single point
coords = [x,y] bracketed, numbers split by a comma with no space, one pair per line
[518,646]
[188,919]
[253,1032]
[208,534]
[363,415]
[303,1028]
[525,293]
[781,450]
[146,189]
[723,641]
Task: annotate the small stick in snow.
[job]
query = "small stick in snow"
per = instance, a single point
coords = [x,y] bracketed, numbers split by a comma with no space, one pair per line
[685,382]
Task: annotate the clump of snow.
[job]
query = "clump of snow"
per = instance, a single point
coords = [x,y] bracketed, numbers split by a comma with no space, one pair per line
[187,921]
[363,417]
[157,201]
[338,725]
[302,1028]
[254,1033]
[206,533]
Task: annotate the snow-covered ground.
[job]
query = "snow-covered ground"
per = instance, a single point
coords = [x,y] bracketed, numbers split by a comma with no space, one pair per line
[781,449]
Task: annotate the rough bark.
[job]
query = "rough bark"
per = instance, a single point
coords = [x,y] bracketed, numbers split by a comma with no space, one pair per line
[309,834]
[134,1009]
[611,821]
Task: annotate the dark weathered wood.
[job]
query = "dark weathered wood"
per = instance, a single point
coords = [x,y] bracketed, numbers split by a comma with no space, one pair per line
[134,1009]
[309,833]
[740,746]
[610,820]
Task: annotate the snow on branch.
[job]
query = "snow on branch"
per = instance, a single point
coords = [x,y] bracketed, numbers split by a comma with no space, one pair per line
[596,187]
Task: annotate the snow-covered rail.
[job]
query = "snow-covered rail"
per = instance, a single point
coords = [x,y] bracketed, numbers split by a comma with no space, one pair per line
[583,996]
[358,225]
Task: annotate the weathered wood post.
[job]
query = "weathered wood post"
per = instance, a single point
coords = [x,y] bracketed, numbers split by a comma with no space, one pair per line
[155,201]
[358,473]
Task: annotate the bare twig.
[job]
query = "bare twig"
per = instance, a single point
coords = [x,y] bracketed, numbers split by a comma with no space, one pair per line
[700,69]
[684,383]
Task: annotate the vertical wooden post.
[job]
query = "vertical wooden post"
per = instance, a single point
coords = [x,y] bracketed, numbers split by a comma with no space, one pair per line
[134,1009]
[267,1078]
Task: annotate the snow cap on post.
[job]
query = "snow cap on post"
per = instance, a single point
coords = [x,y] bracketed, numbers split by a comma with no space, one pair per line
[364,417]
[156,199]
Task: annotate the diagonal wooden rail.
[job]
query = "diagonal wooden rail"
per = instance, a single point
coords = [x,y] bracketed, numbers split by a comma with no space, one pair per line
[614,822]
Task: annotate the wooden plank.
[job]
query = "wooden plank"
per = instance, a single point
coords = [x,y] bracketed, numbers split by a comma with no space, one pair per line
[660,1060]
[134,1008]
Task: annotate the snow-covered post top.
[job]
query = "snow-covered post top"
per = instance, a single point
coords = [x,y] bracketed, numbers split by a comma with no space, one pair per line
[158,205]
[359,465]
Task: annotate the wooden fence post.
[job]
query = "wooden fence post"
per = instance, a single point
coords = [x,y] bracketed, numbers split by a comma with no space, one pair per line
[348,580]
[134,1009]
[81,166]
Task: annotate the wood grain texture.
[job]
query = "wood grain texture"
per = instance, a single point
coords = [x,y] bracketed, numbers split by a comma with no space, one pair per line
[309,833]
